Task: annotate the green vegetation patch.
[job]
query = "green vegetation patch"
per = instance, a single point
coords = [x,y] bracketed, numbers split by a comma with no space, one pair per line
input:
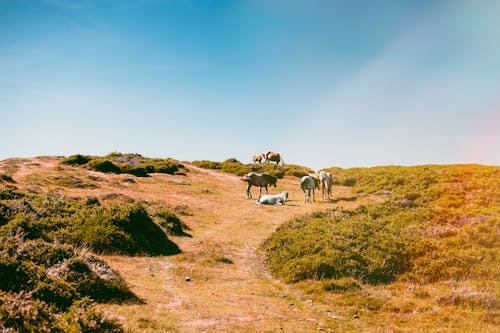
[235,167]
[52,287]
[6,178]
[119,163]
[365,244]
[439,223]
[115,228]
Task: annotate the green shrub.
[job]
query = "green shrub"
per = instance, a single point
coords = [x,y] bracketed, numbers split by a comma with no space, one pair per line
[82,317]
[171,223]
[57,274]
[6,178]
[121,228]
[365,244]
[208,164]
[104,166]
[76,160]
[94,278]
[124,228]
[21,313]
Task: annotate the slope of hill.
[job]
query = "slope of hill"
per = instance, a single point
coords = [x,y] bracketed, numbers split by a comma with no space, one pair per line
[220,281]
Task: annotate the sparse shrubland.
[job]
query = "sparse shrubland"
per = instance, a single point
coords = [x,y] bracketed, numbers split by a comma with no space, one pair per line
[235,167]
[49,281]
[441,222]
[118,163]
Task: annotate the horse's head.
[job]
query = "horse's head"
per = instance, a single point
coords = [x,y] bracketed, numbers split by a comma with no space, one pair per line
[247,177]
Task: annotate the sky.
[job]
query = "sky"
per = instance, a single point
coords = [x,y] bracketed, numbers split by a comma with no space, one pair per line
[326,83]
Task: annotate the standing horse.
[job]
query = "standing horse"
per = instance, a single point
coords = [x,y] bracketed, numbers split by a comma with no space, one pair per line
[274,157]
[258,158]
[326,181]
[260,180]
[309,183]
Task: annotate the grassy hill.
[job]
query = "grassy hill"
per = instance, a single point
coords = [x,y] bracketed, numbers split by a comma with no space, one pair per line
[397,249]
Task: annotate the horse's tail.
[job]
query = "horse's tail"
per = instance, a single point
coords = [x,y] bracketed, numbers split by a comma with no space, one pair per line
[282,161]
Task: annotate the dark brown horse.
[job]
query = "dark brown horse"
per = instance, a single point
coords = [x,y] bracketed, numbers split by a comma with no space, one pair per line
[274,157]
[260,180]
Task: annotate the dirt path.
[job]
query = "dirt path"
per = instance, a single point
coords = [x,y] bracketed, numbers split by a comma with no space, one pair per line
[229,288]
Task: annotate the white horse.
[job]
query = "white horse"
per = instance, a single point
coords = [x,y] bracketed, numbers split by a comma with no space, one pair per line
[307,184]
[276,199]
[326,182]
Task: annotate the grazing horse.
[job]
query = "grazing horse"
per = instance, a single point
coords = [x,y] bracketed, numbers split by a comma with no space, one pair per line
[309,183]
[260,180]
[258,158]
[274,157]
[276,199]
[326,181]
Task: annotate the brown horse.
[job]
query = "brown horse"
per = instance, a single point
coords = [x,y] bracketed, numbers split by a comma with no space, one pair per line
[274,157]
[260,180]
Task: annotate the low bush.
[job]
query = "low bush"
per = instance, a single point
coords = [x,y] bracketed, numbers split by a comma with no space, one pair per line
[120,228]
[235,167]
[6,178]
[46,287]
[207,164]
[118,163]
[82,317]
[76,160]
[332,246]
[171,223]
[23,313]
[57,274]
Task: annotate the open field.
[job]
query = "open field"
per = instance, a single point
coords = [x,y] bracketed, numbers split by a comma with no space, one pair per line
[221,281]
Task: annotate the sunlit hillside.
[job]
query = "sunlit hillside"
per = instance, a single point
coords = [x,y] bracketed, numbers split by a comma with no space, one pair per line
[128,243]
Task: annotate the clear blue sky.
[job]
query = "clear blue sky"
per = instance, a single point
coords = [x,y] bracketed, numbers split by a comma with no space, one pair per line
[326,83]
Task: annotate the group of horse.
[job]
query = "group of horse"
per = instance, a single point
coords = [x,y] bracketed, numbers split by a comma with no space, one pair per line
[308,184]
[268,157]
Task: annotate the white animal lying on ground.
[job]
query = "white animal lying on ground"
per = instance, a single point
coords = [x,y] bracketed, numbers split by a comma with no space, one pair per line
[276,199]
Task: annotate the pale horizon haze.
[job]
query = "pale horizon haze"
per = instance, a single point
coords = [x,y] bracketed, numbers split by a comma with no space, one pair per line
[325,83]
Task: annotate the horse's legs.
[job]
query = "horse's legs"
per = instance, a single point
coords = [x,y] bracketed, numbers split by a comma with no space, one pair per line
[260,191]
[249,194]
[267,191]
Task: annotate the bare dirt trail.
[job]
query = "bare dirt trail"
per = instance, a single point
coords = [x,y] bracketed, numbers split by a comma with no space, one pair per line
[229,287]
